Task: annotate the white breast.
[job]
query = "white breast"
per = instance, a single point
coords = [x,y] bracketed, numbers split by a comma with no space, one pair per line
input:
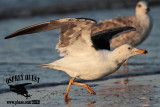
[89,68]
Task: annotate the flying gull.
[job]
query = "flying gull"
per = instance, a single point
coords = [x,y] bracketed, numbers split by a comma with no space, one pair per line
[84,56]
[141,21]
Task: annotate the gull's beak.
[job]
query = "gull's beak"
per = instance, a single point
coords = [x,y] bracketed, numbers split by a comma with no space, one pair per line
[141,51]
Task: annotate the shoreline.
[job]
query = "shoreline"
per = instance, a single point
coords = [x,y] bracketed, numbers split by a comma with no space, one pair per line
[132,91]
[50,8]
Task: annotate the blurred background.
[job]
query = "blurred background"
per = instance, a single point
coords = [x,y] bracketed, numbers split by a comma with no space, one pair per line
[28,8]
[21,55]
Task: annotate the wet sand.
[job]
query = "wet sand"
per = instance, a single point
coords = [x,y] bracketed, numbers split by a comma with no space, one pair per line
[138,91]
[20,56]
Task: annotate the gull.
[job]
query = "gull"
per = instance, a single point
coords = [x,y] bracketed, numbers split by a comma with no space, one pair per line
[142,21]
[84,56]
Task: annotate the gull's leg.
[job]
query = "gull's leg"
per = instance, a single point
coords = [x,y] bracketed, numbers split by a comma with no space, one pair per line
[66,98]
[86,86]
[126,65]
[125,82]
[123,67]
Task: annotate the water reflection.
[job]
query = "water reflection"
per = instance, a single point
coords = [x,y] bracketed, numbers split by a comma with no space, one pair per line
[88,104]
[125,82]
[118,95]
[125,94]
[91,103]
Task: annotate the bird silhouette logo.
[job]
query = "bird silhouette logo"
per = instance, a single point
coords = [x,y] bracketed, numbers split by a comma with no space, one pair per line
[20,89]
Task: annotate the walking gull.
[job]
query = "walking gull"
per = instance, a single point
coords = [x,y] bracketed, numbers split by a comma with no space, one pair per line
[84,56]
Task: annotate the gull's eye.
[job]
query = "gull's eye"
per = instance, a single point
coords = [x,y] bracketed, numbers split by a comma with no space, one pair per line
[139,5]
[129,48]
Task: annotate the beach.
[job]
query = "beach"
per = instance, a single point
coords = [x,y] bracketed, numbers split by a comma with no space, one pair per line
[19,56]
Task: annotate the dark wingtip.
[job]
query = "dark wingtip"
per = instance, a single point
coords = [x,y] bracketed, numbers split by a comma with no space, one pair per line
[131,28]
[12,35]
[87,19]
[7,37]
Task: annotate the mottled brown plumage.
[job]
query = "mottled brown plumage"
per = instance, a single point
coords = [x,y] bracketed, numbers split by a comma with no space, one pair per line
[74,31]
[141,21]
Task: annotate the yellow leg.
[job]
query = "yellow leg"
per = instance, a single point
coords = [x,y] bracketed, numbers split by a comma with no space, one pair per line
[67,99]
[85,86]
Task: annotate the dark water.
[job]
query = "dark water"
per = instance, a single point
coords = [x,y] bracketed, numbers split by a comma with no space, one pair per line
[10,4]
[20,55]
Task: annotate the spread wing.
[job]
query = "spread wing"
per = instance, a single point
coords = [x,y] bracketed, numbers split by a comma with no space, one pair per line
[72,31]
[115,22]
[75,35]
[124,38]
[41,27]
[101,39]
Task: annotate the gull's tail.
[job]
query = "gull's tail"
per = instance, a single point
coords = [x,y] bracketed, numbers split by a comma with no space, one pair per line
[51,66]
[46,66]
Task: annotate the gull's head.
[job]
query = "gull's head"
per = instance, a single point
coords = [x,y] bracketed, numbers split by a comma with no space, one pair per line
[142,7]
[126,51]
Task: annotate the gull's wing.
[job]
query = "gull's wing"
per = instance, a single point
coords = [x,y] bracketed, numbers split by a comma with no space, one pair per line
[72,31]
[101,39]
[74,36]
[125,38]
[115,22]
[41,27]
